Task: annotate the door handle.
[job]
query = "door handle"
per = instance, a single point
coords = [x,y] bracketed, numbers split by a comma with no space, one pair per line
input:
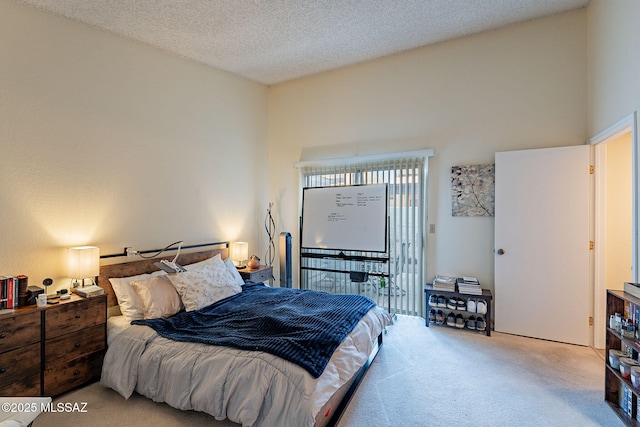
[500,251]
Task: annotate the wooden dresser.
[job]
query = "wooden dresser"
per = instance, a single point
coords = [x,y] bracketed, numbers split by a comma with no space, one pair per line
[20,349]
[48,351]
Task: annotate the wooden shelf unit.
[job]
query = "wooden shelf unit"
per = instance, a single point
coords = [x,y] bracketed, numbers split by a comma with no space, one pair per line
[612,377]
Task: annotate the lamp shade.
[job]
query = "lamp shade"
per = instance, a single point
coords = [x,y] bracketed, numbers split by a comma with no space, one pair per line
[83,262]
[239,251]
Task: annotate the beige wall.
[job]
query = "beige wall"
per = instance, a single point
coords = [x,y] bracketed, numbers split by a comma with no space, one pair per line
[614,67]
[614,63]
[108,142]
[518,87]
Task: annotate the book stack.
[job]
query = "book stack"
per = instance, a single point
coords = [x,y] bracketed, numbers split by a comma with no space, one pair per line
[8,294]
[444,283]
[469,285]
[625,399]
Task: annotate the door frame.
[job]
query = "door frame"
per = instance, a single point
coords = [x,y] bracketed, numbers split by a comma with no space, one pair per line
[627,124]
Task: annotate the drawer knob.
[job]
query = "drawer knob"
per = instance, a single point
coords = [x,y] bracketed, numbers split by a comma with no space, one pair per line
[76,372]
[2,370]
[77,345]
[77,316]
[2,336]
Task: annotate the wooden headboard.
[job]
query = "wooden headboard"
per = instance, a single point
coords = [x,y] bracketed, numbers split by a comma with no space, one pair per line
[134,268]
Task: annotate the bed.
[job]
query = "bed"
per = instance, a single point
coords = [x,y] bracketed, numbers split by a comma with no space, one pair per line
[252,387]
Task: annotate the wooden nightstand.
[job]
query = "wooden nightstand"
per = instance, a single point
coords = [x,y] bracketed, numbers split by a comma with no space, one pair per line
[75,339]
[260,274]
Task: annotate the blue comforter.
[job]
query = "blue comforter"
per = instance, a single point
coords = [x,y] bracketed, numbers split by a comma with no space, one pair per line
[304,327]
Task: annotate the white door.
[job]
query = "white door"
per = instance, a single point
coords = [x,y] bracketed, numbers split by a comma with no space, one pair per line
[542,258]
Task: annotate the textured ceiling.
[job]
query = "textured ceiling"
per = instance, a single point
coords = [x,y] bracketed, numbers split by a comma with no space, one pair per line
[273,41]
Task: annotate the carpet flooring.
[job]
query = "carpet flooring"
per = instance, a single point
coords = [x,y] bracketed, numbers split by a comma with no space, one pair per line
[437,376]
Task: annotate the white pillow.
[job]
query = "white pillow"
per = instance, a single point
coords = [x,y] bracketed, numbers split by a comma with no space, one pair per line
[204,286]
[159,297]
[209,261]
[128,299]
[234,271]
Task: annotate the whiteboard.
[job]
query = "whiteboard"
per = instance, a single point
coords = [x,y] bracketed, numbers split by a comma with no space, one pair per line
[345,218]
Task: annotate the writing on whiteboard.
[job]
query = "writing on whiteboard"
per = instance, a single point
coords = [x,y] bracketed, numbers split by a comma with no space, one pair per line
[362,200]
[335,216]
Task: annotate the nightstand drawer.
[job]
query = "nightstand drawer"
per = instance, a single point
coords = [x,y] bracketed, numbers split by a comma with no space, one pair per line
[75,316]
[74,345]
[63,378]
[19,363]
[27,386]
[20,330]
[260,274]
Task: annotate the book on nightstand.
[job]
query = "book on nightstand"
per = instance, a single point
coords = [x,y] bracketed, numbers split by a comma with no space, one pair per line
[90,291]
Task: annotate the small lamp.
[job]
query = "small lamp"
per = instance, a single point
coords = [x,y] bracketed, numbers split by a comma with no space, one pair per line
[239,253]
[83,262]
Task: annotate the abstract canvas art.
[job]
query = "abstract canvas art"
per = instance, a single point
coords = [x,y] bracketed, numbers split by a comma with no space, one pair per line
[473,190]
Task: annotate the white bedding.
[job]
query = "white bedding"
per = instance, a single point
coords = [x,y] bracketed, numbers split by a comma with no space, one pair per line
[250,388]
[115,325]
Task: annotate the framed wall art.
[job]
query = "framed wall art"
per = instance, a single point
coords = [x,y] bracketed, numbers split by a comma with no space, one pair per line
[473,190]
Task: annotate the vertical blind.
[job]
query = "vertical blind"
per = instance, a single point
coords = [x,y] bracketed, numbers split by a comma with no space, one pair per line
[406,179]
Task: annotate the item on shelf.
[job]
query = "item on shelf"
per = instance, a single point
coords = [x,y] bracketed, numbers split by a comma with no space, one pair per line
[471,323]
[462,305]
[432,318]
[635,376]
[626,363]
[468,285]
[452,303]
[480,323]
[628,330]
[433,300]
[614,358]
[451,319]
[481,306]
[612,321]
[471,305]
[444,283]
[442,301]
[618,322]
[460,322]
[439,318]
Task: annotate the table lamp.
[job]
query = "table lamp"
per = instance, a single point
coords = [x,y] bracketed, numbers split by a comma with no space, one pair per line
[239,253]
[83,262]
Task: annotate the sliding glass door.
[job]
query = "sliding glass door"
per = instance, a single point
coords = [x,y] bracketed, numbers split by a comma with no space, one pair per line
[406,179]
